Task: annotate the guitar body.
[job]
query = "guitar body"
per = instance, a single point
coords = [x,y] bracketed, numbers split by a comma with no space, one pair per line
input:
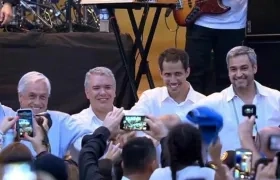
[188,11]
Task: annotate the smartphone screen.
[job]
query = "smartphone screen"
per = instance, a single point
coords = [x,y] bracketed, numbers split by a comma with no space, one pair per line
[249,110]
[20,170]
[243,164]
[134,123]
[25,122]
[274,143]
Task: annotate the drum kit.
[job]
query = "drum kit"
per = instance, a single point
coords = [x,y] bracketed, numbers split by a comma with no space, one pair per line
[51,16]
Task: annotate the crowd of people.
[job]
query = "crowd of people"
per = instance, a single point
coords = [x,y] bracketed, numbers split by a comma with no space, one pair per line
[91,145]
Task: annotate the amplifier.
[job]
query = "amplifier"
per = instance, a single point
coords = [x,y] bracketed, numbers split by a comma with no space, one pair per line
[263,18]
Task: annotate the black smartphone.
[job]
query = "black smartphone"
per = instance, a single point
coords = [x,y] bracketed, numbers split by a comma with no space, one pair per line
[243,164]
[249,110]
[274,142]
[134,123]
[25,122]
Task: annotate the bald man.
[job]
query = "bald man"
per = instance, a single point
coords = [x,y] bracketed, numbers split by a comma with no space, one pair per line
[263,138]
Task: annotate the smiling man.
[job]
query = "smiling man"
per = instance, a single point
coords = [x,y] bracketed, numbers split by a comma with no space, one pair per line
[34,90]
[100,90]
[242,67]
[177,95]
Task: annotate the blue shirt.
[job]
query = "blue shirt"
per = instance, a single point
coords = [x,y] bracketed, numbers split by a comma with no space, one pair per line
[65,132]
[6,111]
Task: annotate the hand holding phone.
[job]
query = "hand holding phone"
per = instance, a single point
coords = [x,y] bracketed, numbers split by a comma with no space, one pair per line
[134,123]
[25,122]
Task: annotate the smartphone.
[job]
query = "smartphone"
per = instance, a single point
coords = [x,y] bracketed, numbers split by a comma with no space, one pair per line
[243,164]
[249,110]
[134,123]
[25,122]
[274,143]
[20,170]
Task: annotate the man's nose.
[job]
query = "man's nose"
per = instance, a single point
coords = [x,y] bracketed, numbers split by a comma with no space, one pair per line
[102,91]
[37,101]
[239,73]
[173,79]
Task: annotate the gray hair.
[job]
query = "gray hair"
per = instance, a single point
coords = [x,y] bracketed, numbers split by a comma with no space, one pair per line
[32,77]
[242,50]
[103,71]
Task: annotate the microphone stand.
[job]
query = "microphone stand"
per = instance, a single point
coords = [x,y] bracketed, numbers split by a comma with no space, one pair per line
[69,15]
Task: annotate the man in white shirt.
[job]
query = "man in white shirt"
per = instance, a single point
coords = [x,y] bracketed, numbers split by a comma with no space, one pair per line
[177,95]
[242,67]
[100,90]
[217,34]
[34,90]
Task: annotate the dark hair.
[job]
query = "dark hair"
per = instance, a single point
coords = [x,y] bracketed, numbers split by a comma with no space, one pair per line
[15,152]
[174,55]
[184,145]
[137,153]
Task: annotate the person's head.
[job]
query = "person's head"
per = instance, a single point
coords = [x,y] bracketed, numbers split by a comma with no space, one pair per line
[100,88]
[262,140]
[15,152]
[52,165]
[174,68]
[184,145]
[139,157]
[34,90]
[242,66]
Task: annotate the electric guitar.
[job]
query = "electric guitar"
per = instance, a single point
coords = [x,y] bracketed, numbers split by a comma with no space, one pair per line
[188,11]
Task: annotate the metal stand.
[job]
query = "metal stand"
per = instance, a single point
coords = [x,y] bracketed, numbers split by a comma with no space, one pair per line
[117,33]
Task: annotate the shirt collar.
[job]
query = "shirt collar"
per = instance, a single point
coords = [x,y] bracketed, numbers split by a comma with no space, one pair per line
[260,90]
[91,114]
[191,95]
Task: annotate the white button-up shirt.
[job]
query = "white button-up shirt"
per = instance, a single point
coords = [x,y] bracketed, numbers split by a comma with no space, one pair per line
[157,102]
[229,105]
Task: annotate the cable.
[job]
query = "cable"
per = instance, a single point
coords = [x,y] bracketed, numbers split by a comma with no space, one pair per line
[167,13]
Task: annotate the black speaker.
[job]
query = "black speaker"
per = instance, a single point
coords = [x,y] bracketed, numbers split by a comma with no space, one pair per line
[268,63]
[263,18]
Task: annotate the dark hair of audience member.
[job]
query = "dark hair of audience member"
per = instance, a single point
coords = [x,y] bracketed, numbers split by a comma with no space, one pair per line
[174,55]
[15,152]
[137,154]
[184,145]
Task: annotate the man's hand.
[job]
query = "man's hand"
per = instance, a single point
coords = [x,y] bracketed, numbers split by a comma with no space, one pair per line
[267,172]
[245,128]
[113,152]
[8,123]
[37,139]
[157,129]
[215,152]
[112,121]
[6,14]
[122,139]
[170,120]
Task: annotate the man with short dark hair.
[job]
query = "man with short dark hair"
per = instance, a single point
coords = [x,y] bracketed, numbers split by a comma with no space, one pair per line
[177,94]
[139,159]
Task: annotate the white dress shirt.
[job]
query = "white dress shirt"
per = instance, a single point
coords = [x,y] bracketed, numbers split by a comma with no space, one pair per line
[157,102]
[190,172]
[229,105]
